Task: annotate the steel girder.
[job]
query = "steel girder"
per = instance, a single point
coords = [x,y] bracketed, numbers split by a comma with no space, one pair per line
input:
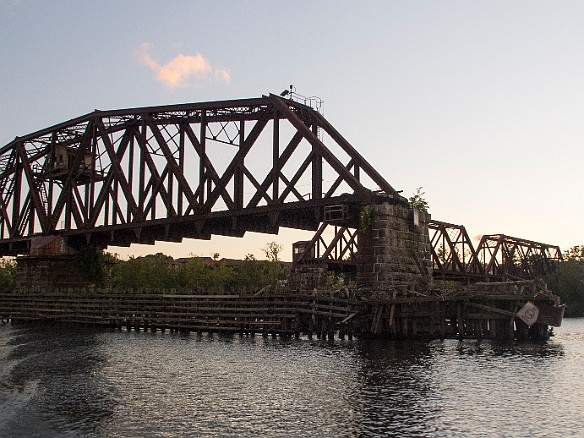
[497,257]
[453,255]
[169,172]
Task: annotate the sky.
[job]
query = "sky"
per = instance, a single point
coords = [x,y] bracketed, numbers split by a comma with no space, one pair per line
[481,103]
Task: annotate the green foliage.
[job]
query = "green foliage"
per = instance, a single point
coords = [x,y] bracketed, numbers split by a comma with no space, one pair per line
[198,274]
[93,261]
[335,282]
[418,201]
[151,271]
[574,253]
[7,275]
[568,283]
[366,218]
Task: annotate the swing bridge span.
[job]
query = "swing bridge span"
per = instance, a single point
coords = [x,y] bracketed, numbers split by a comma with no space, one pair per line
[196,170]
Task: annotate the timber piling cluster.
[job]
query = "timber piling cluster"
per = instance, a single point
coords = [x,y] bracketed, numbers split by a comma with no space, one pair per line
[480,311]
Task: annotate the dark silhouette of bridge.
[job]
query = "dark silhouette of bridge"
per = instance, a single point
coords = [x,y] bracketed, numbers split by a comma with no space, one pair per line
[216,168]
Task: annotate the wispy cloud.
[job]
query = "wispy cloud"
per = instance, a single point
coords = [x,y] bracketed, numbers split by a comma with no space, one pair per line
[182,70]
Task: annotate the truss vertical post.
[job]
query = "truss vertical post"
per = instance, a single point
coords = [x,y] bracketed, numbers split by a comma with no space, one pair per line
[181,163]
[16,197]
[68,213]
[202,142]
[276,158]
[142,169]
[238,171]
[130,170]
[91,189]
[316,169]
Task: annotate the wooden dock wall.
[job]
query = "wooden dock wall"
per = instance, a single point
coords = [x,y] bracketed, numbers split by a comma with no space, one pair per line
[284,315]
[485,316]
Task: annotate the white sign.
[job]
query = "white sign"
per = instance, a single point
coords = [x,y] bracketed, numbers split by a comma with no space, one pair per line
[528,313]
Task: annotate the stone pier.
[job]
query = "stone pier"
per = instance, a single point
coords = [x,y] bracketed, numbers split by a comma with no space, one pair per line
[51,264]
[51,272]
[395,252]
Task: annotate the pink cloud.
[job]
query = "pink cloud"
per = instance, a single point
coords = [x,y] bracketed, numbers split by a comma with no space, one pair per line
[182,70]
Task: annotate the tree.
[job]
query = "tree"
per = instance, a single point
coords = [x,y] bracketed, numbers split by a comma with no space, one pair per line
[568,281]
[272,250]
[161,272]
[151,271]
[7,275]
[418,201]
[574,253]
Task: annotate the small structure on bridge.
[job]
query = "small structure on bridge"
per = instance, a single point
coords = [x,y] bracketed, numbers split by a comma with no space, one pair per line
[62,163]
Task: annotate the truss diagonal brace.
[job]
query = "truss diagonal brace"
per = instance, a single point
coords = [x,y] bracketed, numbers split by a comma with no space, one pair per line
[36,200]
[323,151]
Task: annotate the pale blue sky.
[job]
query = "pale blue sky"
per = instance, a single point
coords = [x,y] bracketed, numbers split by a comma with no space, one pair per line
[479,102]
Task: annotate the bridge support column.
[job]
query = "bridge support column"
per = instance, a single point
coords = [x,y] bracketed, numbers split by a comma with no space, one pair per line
[308,277]
[52,265]
[51,272]
[394,249]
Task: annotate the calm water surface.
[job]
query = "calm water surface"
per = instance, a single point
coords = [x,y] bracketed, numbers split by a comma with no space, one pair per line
[71,381]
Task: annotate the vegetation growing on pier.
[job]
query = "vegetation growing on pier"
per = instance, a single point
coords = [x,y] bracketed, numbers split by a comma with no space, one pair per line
[418,201]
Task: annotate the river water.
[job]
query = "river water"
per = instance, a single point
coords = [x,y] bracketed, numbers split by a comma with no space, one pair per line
[75,381]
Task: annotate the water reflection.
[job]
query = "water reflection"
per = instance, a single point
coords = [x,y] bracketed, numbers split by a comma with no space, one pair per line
[393,380]
[71,381]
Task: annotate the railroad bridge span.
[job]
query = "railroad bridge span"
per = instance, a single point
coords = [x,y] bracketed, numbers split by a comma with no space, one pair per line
[193,170]
[224,168]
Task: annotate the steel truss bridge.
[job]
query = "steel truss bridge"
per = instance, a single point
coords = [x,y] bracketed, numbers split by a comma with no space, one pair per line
[216,168]
[182,171]
[454,257]
[496,256]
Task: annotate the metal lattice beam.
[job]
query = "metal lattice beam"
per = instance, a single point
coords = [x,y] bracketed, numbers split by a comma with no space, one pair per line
[453,254]
[507,257]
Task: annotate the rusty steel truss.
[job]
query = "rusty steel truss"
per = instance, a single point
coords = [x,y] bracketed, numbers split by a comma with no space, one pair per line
[497,256]
[170,172]
[332,245]
[509,257]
